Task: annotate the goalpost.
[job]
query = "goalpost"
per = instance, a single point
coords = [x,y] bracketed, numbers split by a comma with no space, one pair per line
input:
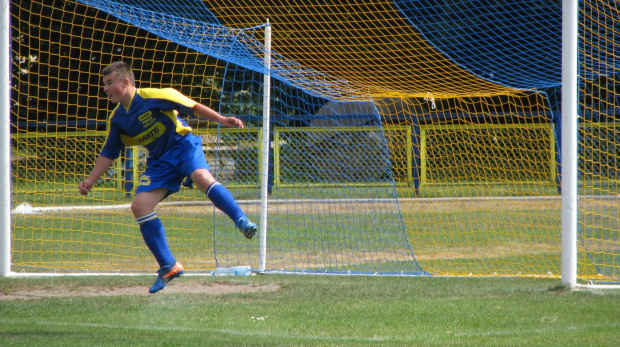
[265,146]
[570,28]
[5,140]
[349,165]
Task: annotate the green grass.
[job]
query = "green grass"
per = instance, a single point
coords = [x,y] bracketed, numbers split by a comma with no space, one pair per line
[311,311]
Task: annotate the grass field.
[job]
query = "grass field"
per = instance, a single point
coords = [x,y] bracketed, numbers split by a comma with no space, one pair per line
[319,310]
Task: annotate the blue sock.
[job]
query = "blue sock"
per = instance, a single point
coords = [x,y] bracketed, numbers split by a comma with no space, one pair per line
[223,200]
[155,238]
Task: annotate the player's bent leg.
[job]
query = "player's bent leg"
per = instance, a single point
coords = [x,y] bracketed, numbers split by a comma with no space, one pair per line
[223,200]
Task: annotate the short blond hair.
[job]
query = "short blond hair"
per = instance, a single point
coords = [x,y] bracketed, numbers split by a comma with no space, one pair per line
[122,69]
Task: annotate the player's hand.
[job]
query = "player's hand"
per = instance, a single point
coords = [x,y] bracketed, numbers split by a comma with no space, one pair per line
[232,122]
[85,187]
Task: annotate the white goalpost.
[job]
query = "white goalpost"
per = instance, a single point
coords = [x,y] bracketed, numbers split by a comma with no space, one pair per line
[5,139]
[570,27]
[265,146]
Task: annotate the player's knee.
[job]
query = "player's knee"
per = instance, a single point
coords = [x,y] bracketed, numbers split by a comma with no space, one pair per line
[139,210]
[202,179]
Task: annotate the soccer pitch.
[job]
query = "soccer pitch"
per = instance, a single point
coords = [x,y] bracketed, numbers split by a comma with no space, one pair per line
[309,310]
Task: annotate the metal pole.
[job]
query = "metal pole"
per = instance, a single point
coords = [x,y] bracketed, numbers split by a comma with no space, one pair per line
[5,139]
[570,100]
[262,242]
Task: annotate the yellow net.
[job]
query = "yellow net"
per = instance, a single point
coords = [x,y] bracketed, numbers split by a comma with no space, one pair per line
[599,106]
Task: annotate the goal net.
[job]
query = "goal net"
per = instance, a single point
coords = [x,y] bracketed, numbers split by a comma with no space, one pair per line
[405,137]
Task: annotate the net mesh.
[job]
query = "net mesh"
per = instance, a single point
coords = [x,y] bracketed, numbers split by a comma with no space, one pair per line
[407,136]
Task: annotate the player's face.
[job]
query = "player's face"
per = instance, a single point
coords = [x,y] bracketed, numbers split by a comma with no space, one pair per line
[116,88]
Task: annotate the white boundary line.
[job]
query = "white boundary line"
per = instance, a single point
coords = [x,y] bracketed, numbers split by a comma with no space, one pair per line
[26,208]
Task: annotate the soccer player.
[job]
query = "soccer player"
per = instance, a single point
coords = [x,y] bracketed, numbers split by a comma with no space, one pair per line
[150,117]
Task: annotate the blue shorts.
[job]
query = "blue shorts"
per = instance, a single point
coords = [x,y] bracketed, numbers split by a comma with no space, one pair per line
[169,170]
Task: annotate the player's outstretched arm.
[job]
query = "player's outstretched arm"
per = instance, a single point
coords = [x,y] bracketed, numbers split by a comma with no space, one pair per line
[203,111]
[101,166]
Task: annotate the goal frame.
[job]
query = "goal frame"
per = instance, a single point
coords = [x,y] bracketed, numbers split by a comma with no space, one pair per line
[569,138]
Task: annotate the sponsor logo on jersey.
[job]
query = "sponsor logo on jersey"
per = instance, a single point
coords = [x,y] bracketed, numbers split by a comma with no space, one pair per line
[151,134]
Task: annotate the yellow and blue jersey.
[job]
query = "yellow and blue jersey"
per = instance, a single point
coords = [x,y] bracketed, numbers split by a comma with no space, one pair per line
[152,121]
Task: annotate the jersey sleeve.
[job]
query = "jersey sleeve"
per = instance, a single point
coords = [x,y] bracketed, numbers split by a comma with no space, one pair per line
[170,96]
[113,144]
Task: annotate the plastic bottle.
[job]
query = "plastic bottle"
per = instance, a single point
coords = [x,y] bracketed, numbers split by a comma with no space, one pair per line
[224,271]
[233,271]
[243,270]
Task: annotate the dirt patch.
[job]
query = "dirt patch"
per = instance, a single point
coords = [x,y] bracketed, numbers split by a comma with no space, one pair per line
[179,287]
